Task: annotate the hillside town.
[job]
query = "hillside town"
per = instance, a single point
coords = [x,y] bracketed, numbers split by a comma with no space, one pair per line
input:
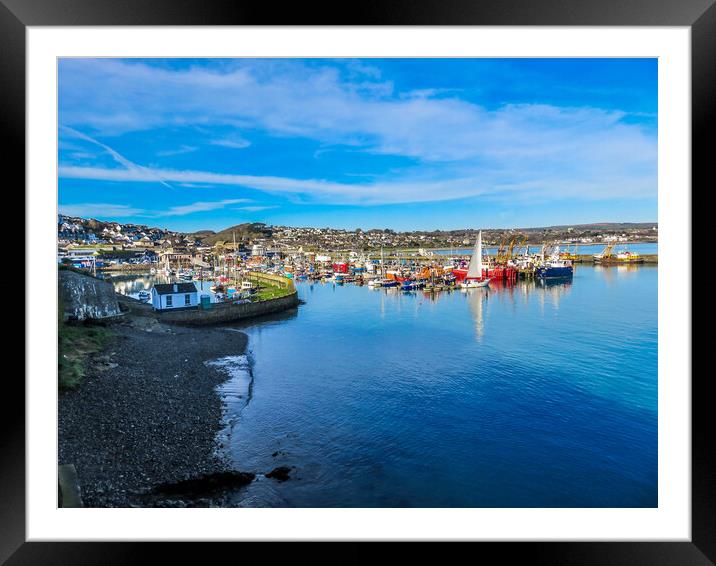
[135,243]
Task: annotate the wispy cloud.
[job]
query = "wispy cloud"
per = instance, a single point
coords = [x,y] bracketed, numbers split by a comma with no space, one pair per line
[100,210]
[526,149]
[118,157]
[317,103]
[389,192]
[204,206]
[82,155]
[178,151]
[235,142]
[104,210]
[255,208]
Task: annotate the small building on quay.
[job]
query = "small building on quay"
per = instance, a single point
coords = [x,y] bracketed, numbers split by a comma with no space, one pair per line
[172,296]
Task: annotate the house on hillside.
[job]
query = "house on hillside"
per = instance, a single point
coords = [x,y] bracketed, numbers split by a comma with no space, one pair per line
[174,296]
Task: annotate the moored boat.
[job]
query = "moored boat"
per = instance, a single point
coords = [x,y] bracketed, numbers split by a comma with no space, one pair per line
[555,269]
[474,277]
[474,283]
[410,285]
[624,256]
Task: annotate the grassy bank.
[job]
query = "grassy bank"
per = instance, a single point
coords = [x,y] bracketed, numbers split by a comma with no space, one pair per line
[75,343]
[266,292]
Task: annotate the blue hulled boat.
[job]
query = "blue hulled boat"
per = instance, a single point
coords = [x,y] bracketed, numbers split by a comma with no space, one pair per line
[556,269]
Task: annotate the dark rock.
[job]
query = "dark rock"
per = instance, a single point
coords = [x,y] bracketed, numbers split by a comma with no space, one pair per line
[204,484]
[280,474]
[86,298]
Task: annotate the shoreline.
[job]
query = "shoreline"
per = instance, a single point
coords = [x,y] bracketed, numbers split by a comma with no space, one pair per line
[148,413]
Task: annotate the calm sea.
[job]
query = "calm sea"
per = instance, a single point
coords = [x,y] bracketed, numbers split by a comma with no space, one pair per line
[528,396]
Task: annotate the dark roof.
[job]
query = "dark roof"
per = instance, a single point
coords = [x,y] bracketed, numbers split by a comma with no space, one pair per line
[168,288]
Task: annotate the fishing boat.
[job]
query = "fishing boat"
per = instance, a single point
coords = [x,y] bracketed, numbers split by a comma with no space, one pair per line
[570,255]
[555,269]
[629,257]
[144,296]
[474,276]
[410,285]
[624,256]
[375,283]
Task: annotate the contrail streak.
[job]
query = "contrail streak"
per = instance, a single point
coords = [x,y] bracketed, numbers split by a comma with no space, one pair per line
[118,157]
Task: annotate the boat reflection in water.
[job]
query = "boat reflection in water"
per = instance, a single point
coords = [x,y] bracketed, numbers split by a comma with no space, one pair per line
[544,291]
[477,302]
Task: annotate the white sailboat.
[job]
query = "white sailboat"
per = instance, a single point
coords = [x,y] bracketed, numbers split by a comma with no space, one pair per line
[473,278]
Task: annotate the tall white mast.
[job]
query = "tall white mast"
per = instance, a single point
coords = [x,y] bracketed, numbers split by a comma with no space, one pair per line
[382,263]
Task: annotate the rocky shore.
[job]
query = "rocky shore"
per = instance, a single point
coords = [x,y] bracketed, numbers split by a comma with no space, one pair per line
[146,418]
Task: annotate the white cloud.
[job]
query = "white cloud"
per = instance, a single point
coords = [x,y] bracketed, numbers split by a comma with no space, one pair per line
[387,192]
[100,210]
[119,158]
[178,151]
[235,142]
[183,210]
[255,208]
[457,148]
[117,96]
[82,155]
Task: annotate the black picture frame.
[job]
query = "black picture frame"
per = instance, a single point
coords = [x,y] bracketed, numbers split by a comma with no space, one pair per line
[699,15]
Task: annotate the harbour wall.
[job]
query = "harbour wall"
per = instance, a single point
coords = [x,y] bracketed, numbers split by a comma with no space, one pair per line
[220,313]
[125,267]
[228,312]
[648,258]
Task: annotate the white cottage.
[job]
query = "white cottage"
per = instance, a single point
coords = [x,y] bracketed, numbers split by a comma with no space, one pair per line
[174,296]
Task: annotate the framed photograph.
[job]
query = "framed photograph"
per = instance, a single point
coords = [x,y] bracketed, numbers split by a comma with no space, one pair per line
[419,275]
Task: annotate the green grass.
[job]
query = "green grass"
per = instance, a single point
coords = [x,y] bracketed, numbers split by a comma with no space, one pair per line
[266,292]
[75,343]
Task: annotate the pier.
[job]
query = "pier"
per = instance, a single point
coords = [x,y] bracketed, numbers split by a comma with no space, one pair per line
[646,258]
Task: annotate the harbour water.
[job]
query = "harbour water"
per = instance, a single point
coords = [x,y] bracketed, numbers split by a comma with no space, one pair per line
[522,396]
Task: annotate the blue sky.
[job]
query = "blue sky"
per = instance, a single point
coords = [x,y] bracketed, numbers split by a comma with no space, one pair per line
[406,144]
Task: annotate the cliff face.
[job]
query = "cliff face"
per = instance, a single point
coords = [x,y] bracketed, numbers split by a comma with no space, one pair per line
[85,297]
